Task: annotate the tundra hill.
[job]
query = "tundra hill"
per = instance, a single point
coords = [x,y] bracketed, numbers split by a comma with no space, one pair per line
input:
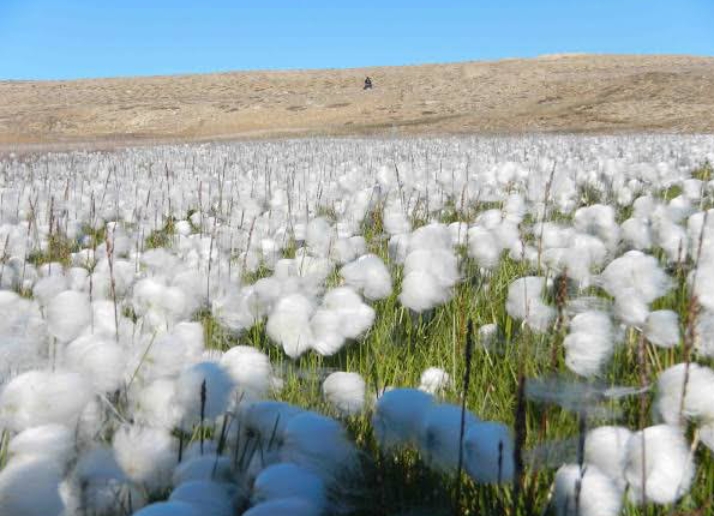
[557,93]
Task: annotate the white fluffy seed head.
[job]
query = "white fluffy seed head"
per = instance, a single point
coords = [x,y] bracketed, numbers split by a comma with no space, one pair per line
[439,443]
[662,328]
[398,415]
[434,380]
[585,492]
[68,313]
[488,452]
[590,343]
[698,402]
[147,455]
[605,448]
[369,275]
[659,462]
[345,392]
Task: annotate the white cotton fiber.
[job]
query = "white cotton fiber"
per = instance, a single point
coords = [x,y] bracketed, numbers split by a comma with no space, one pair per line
[208,497]
[525,302]
[38,398]
[585,492]
[488,452]
[704,333]
[368,275]
[294,506]
[172,508]
[146,455]
[100,485]
[345,392]
[54,442]
[218,389]
[153,404]
[662,328]
[605,448]
[355,317]
[319,444]
[289,324]
[484,247]
[287,480]
[698,400]
[635,274]
[441,263]
[439,433]
[341,316]
[630,308]
[637,234]
[30,487]
[48,287]
[598,220]
[251,371]
[422,291]
[318,236]
[434,380]
[68,313]
[102,360]
[395,222]
[265,421]
[662,453]
[208,467]
[398,416]
[590,343]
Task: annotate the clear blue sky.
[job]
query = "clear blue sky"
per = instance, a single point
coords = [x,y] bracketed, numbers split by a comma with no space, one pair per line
[44,39]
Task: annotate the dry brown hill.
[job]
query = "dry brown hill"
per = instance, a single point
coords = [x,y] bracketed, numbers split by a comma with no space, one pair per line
[550,93]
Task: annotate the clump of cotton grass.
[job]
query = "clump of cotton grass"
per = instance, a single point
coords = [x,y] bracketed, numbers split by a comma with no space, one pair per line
[98,485]
[345,392]
[265,422]
[398,416]
[251,371]
[590,343]
[68,313]
[660,466]
[342,316]
[635,280]
[206,467]
[147,456]
[585,491]
[662,328]
[430,269]
[31,487]
[289,324]
[288,480]
[434,380]
[293,506]
[101,359]
[606,448]
[38,398]
[598,220]
[368,275]
[319,444]
[172,508]
[54,442]
[488,452]
[209,497]
[525,302]
[439,436]
[691,381]
[204,390]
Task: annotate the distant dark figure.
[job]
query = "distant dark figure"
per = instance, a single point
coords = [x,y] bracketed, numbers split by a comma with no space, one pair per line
[368,84]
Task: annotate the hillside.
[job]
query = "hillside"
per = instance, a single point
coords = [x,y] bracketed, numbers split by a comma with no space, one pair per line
[570,93]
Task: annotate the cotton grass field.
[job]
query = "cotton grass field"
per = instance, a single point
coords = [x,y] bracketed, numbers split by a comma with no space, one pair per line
[486,326]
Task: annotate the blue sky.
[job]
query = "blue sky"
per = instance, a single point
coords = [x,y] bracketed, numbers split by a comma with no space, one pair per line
[46,39]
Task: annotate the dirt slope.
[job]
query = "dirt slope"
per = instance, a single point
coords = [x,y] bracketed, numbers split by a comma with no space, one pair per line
[550,93]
